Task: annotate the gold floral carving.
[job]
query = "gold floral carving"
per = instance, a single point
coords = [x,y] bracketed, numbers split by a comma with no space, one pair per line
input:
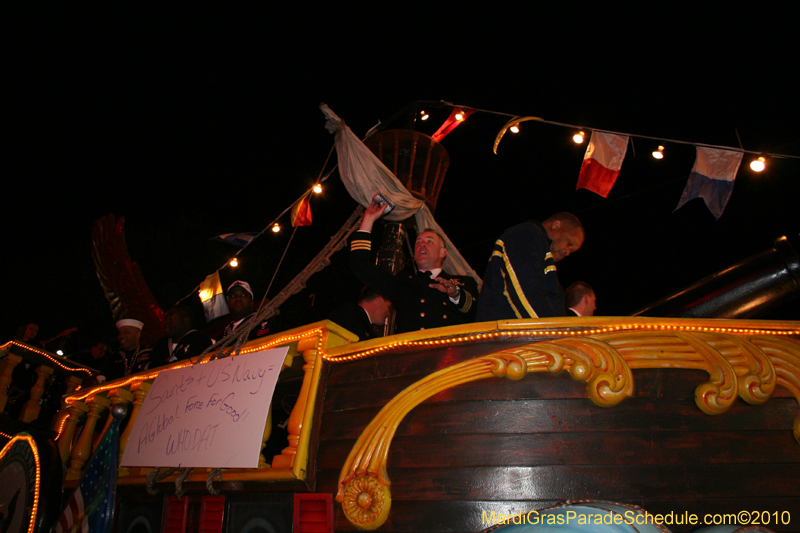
[748,366]
[366,502]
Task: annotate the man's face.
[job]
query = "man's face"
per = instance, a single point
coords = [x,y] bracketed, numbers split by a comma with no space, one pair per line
[175,324]
[429,251]
[128,337]
[98,350]
[239,301]
[31,331]
[566,240]
[384,308]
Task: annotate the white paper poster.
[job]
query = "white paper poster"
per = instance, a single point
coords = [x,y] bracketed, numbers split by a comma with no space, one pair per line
[207,415]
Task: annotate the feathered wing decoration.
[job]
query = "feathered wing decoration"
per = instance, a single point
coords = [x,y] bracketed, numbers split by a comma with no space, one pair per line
[122,281]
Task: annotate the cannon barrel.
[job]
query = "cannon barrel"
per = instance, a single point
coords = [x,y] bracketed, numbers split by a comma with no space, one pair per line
[747,289]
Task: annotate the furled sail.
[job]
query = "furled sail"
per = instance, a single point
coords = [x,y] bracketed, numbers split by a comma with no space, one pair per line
[363,175]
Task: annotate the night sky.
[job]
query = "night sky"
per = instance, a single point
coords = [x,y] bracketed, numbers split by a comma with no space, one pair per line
[201,122]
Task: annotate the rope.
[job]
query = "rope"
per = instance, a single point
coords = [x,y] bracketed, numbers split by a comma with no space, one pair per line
[155,476]
[215,474]
[179,482]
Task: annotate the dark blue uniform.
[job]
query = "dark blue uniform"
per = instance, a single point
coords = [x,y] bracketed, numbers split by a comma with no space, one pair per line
[521,279]
[418,305]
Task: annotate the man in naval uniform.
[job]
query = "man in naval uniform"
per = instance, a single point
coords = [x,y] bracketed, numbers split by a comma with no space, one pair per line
[240,302]
[521,279]
[131,356]
[362,319]
[425,298]
[182,340]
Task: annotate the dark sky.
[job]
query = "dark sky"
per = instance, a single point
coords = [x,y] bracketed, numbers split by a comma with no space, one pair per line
[200,122]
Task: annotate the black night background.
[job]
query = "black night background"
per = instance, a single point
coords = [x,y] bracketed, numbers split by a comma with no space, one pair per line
[196,122]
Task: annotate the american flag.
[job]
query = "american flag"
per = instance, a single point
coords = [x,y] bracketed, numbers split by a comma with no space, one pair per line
[91,507]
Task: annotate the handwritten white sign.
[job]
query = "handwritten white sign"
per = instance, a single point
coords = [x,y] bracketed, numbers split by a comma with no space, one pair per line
[208,415]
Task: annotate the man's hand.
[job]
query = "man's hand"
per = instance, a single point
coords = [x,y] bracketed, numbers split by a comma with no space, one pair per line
[373,212]
[450,288]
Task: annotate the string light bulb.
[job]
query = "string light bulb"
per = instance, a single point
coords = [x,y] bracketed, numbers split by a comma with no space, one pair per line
[317,188]
[234,262]
[460,115]
[758,165]
[276,228]
[423,115]
[659,154]
[579,137]
[514,128]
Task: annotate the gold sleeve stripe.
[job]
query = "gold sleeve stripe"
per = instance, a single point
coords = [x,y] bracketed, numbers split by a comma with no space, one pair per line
[514,281]
[551,268]
[547,256]
[361,245]
[467,302]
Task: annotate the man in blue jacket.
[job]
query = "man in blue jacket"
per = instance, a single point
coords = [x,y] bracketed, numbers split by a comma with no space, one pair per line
[521,279]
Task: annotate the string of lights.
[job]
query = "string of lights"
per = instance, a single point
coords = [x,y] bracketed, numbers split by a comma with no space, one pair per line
[758,164]
[578,137]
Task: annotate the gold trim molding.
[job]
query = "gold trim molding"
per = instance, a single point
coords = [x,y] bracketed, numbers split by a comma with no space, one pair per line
[745,361]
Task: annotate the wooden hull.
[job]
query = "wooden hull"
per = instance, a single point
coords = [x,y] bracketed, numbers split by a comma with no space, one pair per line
[436,430]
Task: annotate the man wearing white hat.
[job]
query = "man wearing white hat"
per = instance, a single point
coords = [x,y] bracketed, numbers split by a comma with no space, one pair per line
[131,357]
[240,302]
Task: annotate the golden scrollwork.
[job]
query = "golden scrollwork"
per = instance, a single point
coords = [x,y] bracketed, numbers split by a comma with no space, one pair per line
[755,373]
[738,363]
[366,502]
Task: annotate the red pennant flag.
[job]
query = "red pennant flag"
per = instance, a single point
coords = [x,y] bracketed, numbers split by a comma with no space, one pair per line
[301,212]
[602,162]
[452,122]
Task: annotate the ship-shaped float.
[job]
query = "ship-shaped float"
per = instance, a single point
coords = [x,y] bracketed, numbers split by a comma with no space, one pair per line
[451,429]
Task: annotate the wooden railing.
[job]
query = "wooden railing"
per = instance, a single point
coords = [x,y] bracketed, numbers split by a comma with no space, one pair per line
[46,366]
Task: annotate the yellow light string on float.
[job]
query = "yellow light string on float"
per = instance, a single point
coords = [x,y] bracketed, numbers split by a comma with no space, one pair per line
[43,354]
[37,480]
[554,333]
[116,384]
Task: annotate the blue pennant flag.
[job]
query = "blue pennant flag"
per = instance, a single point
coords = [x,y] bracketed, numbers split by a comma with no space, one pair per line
[239,239]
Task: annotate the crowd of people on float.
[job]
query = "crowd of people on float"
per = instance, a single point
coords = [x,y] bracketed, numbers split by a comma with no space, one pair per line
[520,282]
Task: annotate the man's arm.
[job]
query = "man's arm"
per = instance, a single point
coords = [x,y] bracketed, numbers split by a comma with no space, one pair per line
[361,263]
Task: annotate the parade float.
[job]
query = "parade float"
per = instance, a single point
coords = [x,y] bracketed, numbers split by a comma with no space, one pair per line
[459,428]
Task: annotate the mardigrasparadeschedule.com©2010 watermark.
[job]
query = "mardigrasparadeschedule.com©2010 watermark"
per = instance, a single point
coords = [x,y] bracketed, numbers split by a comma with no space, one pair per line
[638,517]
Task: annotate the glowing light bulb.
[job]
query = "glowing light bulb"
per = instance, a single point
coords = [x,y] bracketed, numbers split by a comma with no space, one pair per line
[60,352]
[234,262]
[459,116]
[758,165]
[659,154]
[424,115]
[578,137]
[514,128]
[317,188]
[276,228]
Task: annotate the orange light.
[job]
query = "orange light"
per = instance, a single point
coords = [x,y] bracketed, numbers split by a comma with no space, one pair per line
[276,228]
[459,116]
[424,115]
[579,137]
[234,263]
[514,128]
[758,165]
[659,154]
[317,188]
